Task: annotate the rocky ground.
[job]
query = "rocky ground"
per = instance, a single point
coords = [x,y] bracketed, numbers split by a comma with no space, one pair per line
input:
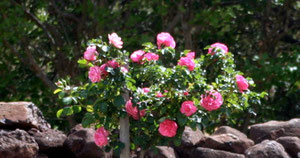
[24,133]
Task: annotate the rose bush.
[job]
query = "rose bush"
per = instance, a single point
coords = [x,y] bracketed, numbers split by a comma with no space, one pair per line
[160,89]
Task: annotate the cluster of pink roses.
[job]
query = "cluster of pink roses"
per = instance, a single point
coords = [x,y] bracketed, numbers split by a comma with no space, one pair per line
[212,100]
[188,61]
[139,55]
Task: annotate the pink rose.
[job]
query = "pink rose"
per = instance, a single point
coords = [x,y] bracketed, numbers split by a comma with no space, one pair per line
[103,71]
[186,93]
[95,74]
[133,111]
[242,83]
[218,47]
[191,55]
[159,95]
[165,39]
[137,56]
[188,62]
[115,40]
[100,137]
[151,56]
[146,90]
[211,100]
[168,128]
[90,53]
[188,108]
[113,64]
[124,69]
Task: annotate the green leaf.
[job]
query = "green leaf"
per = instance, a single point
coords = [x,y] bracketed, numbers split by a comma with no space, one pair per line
[76,108]
[89,108]
[88,119]
[59,112]
[67,111]
[102,107]
[181,119]
[119,101]
[67,100]
[57,90]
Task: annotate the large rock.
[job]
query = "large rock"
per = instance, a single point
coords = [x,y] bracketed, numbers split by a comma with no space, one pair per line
[188,140]
[24,115]
[81,143]
[227,142]
[162,152]
[275,129]
[190,137]
[266,149]
[50,142]
[47,139]
[227,129]
[211,153]
[17,144]
[291,145]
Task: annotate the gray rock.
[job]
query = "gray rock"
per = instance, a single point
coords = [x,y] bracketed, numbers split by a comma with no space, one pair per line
[47,139]
[227,142]
[162,152]
[23,115]
[266,149]
[211,153]
[17,144]
[291,145]
[275,129]
[81,143]
[227,129]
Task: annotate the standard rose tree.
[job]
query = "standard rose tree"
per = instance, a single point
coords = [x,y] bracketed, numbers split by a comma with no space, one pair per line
[159,89]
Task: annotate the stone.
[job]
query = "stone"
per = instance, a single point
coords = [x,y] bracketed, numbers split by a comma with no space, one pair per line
[227,142]
[275,129]
[227,129]
[291,145]
[200,152]
[190,137]
[188,140]
[266,149]
[23,115]
[162,152]
[80,143]
[17,144]
[47,139]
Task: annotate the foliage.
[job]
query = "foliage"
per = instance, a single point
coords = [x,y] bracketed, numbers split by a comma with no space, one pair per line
[104,101]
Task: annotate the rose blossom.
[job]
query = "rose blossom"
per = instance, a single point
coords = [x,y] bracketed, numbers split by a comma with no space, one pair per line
[168,128]
[220,46]
[115,40]
[100,137]
[146,90]
[113,64]
[165,39]
[103,71]
[186,93]
[90,53]
[95,74]
[124,69]
[151,56]
[242,83]
[191,55]
[188,62]
[188,108]
[133,111]
[211,100]
[159,95]
[137,56]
